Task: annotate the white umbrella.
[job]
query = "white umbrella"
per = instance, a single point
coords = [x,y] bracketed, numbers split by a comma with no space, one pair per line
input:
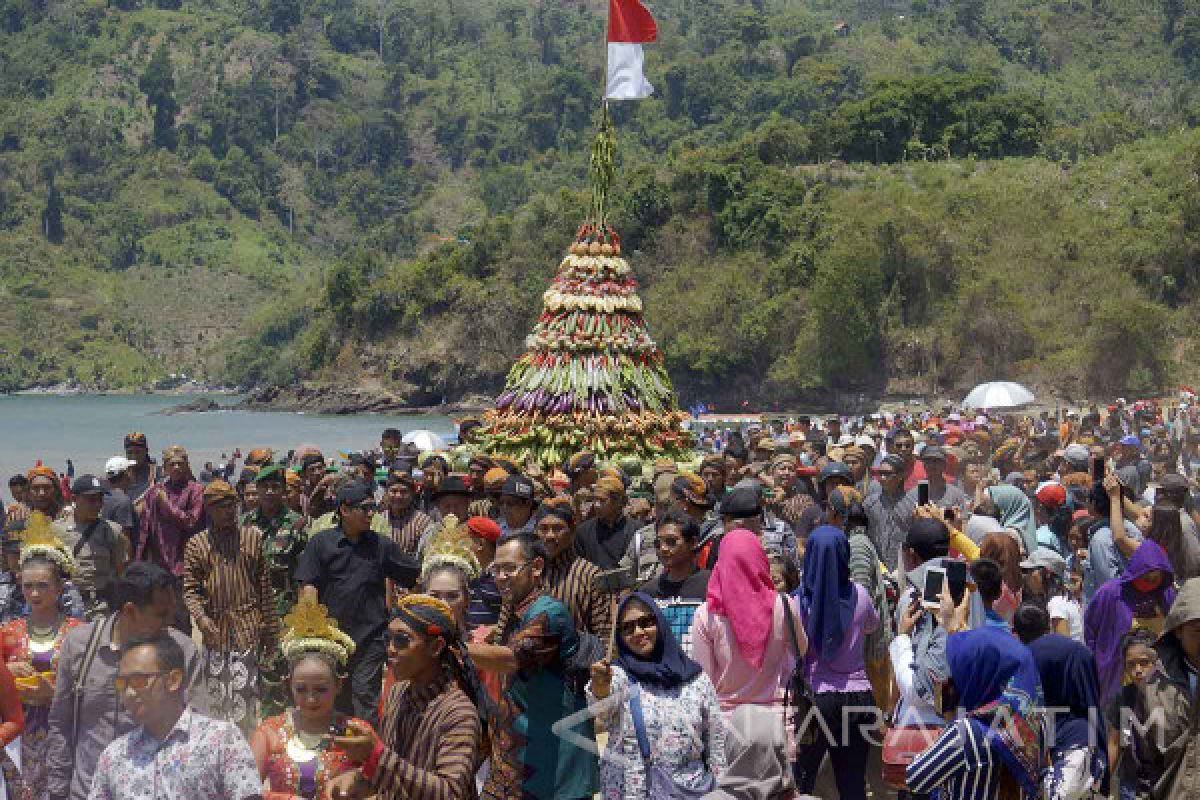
[425,441]
[999,394]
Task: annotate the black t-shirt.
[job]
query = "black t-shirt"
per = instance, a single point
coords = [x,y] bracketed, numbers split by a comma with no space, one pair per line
[350,578]
[693,587]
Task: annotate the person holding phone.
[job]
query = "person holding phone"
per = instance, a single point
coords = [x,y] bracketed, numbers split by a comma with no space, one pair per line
[432,720]
[937,491]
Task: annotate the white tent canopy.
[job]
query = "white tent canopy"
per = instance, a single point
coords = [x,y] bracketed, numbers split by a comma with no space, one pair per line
[999,394]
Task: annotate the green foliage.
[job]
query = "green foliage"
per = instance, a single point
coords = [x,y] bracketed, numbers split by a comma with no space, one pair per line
[299,189]
[52,215]
[158,84]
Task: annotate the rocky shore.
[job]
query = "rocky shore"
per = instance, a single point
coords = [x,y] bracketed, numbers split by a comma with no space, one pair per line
[326,399]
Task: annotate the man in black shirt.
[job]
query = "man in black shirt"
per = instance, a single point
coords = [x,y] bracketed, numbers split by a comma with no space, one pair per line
[345,568]
[604,539]
[676,536]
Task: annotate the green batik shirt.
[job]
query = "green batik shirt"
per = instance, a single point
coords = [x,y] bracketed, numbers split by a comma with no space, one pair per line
[282,546]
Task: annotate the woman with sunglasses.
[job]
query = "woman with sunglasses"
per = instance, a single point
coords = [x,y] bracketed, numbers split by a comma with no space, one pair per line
[31,644]
[294,751]
[665,730]
[432,719]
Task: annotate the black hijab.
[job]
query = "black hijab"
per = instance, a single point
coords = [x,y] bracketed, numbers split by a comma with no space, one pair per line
[668,666]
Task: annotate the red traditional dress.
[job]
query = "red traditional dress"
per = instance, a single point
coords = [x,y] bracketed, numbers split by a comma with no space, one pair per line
[42,652]
[292,767]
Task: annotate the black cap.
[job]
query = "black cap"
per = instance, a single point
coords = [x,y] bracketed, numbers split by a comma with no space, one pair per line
[835,469]
[355,493]
[1174,482]
[518,486]
[452,484]
[929,537]
[741,503]
[932,453]
[87,484]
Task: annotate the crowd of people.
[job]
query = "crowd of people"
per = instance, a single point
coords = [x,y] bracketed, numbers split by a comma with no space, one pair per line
[937,604]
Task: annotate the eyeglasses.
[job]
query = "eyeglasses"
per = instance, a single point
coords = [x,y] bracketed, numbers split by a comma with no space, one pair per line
[645,622]
[400,641]
[509,570]
[138,681]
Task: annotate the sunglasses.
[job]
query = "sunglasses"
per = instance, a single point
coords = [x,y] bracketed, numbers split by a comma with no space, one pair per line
[400,641]
[509,570]
[644,623]
[138,681]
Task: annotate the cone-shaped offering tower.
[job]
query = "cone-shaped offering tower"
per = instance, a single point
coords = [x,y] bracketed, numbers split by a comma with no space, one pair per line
[591,377]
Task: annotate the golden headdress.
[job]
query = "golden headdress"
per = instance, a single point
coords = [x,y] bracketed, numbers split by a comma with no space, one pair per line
[40,539]
[309,629]
[451,546]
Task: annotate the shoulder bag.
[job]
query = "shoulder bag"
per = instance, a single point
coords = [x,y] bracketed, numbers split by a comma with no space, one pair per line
[659,783]
[798,694]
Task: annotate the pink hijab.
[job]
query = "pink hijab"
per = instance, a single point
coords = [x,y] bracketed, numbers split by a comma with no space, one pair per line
[740,590]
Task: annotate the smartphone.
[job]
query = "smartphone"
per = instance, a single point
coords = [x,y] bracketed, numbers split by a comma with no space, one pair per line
[1098,470]
[922,493]
[956,579]
[935,581]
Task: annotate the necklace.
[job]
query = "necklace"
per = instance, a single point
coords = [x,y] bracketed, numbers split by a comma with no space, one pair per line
[41,640]
[302,751]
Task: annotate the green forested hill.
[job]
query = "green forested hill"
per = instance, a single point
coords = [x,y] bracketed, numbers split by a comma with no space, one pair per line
[860,194]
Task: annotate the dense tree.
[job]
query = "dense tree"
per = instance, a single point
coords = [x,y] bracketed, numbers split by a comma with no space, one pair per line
[52,214]
[158,84]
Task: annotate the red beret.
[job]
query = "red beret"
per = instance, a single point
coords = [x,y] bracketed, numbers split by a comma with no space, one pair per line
[484,528]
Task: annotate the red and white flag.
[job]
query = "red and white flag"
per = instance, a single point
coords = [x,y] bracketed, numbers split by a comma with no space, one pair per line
[629,27]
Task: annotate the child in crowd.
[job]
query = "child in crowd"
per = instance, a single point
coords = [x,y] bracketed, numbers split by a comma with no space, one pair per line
[1130,772]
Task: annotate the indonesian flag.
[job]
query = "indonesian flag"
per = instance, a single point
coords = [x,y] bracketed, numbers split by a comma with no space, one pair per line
[629,26]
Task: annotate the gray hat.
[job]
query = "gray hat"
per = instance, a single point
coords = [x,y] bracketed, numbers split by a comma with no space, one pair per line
[1077,456]
[1046,558]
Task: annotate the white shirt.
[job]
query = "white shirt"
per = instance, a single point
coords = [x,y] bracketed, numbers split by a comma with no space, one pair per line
[912,709]
[1065,608]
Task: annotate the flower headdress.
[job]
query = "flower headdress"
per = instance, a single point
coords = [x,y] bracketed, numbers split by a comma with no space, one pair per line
[311,630]
[40,540]
[451,546]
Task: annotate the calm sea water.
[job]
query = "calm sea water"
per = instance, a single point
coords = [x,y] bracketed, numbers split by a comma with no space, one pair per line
[89,430]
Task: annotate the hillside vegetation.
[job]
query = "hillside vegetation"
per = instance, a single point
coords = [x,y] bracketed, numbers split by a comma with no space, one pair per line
[860,195]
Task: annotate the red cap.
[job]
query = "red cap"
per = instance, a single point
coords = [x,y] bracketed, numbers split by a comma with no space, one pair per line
[484,528]
[1052,495]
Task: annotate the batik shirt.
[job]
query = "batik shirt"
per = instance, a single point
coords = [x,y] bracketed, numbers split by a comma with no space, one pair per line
[200,757]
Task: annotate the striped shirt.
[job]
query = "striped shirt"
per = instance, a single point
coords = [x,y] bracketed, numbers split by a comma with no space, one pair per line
[408,528]
[571,580]
[960,762]
[431,738]
[226,579]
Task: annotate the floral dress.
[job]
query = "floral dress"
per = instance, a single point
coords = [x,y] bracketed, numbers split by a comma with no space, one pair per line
[684,727]
[19,647]
[290,768]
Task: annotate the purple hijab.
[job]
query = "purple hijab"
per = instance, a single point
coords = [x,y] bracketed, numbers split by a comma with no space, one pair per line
[1111,613]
